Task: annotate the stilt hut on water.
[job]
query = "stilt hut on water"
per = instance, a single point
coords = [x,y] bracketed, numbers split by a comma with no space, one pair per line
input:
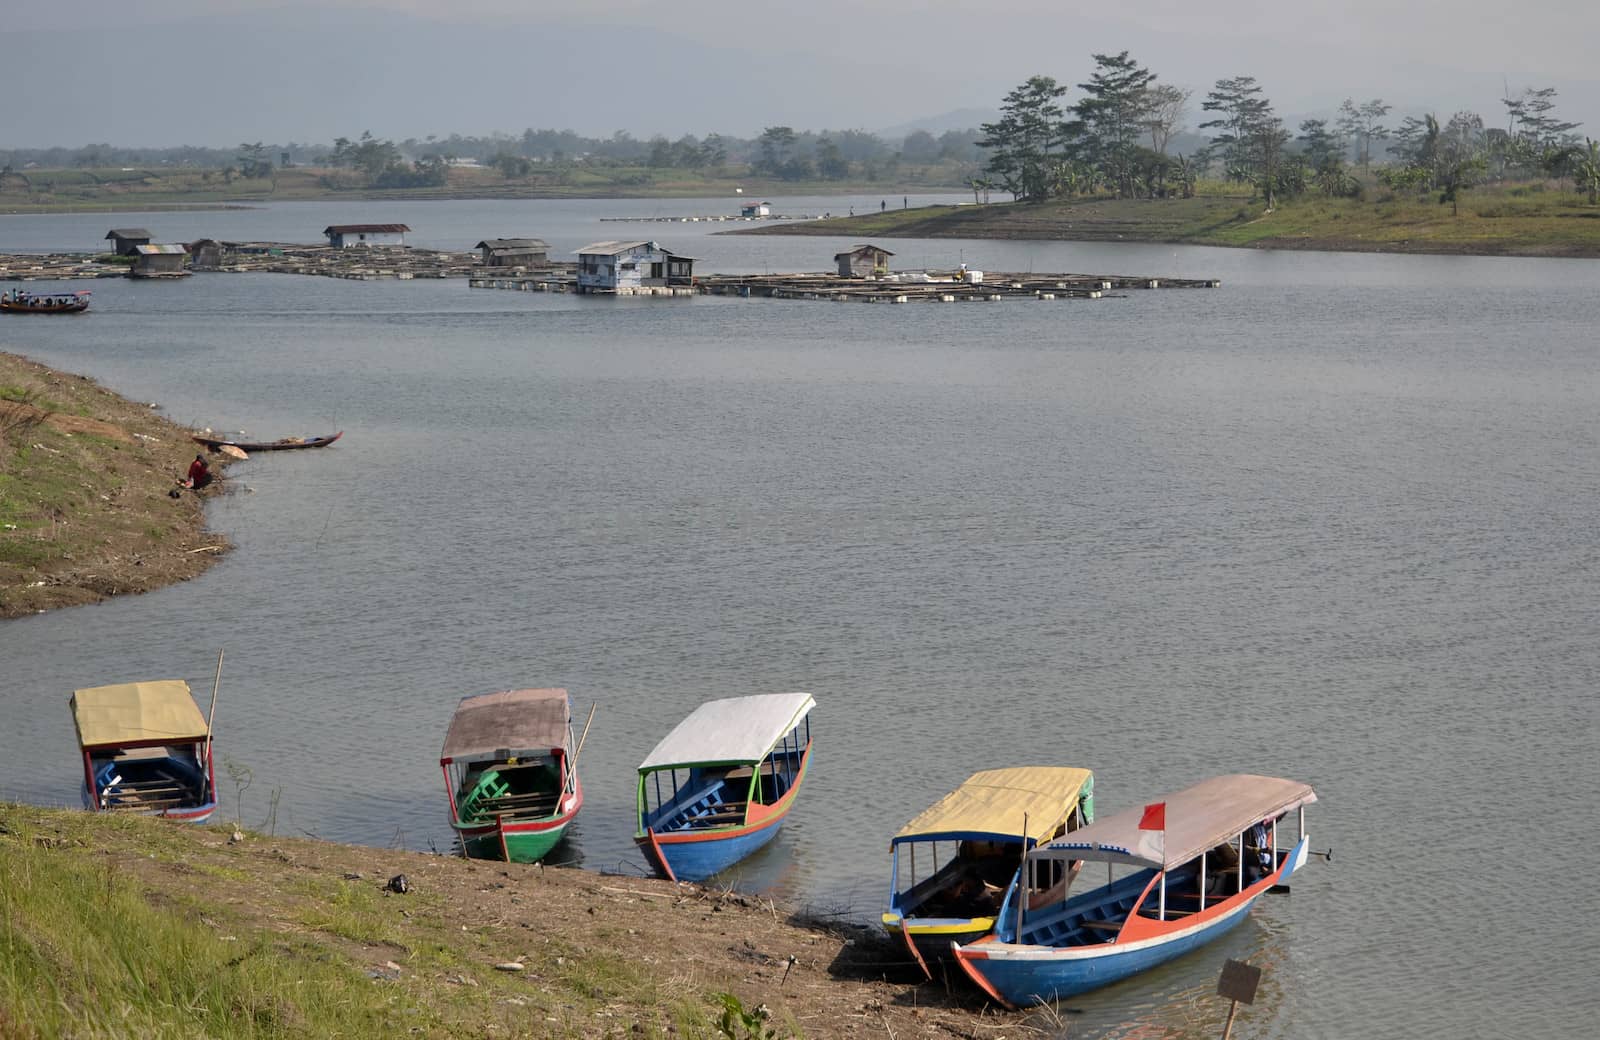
[126,241]
[514,252]
[159,261]
[864,261]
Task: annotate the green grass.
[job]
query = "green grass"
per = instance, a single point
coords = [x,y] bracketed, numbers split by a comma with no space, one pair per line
[1522,219]
[89,948]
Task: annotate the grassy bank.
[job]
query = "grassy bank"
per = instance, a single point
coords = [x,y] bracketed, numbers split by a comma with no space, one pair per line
[128,926]
[1522,220]
[55,191]
[85,483]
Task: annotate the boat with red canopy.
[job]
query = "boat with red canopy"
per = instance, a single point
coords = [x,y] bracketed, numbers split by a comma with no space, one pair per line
[1191,866]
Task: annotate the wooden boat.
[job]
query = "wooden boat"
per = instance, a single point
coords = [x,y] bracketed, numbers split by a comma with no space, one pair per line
[1181,887]
[511,773]
[950,865]
[19,302]
[146,749]
[718,787]
[287,444]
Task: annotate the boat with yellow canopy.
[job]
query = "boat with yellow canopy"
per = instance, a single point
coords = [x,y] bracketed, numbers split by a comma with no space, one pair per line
[146,749]
[949,866]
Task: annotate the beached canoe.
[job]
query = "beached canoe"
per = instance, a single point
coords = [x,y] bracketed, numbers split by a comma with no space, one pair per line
[287,444]
[1179,873]
[950,865]
[146,749]
[511,773]
[718,787]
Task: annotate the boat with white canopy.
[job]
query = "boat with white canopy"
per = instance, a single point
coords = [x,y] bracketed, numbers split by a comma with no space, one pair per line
[950,865]
[1191,866]
[718,786]
[146,749]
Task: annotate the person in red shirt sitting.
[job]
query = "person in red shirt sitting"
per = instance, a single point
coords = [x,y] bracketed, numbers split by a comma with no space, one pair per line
[199,473]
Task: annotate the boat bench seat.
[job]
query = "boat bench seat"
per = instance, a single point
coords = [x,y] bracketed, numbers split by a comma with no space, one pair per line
[148,786]
[1102,926]
[717,814]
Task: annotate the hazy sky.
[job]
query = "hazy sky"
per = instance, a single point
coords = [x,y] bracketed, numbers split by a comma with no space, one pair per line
[217,72]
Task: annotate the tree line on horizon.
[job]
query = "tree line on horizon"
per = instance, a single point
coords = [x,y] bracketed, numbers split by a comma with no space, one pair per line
[1115,139]
[779,152]
[1122,137]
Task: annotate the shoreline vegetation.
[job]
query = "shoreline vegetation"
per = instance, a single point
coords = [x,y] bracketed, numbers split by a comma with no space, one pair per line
[1520,220]
[86,482]
[125,925]
[1529,219]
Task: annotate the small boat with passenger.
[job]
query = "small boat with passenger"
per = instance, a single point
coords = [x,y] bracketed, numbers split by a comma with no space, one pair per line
[510,770]
[20,301]
[146,749]
[950,865]
[1179,873]
[718,787]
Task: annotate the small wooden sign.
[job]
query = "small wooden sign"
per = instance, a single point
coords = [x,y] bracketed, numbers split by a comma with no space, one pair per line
[1239,981]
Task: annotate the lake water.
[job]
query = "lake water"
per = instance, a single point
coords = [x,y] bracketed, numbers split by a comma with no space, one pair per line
[1333,521]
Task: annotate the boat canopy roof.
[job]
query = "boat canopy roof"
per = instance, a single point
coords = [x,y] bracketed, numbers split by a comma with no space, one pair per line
[1198,818]
[137,714]
[994,803]
[733,730]
[509,724]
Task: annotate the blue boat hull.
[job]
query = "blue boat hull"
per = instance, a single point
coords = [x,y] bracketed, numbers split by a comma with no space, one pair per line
[1023,982]
[709,855]
[1022,975]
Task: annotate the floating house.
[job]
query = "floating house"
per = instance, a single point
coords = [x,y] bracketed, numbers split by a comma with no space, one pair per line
[514,252]
[351,236]
[626,266]
[756,209]
[126,240]
[159,261]
[863,262]
[205,254]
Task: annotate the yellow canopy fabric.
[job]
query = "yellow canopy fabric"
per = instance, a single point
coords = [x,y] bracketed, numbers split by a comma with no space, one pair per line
[157,712]
[995,801]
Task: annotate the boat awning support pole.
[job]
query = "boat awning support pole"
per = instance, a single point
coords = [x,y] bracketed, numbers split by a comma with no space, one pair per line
[1024,872]
[1161,909]
[1203,881]
[1241,861]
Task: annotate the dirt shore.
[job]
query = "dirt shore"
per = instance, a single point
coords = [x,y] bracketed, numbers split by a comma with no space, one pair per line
[485,949]
[86,503]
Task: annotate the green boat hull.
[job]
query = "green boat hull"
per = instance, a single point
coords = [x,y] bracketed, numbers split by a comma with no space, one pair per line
[516,846]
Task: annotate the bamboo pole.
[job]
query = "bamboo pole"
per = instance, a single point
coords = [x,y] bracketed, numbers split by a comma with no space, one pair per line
[210,718]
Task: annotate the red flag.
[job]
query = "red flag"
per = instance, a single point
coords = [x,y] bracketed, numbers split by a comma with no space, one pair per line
[1154,818]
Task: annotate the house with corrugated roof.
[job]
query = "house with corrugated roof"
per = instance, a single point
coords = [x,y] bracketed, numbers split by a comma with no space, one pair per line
[351,236]
[613,266]
[159,261]
[864,261]
[125,240]
[514,252]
